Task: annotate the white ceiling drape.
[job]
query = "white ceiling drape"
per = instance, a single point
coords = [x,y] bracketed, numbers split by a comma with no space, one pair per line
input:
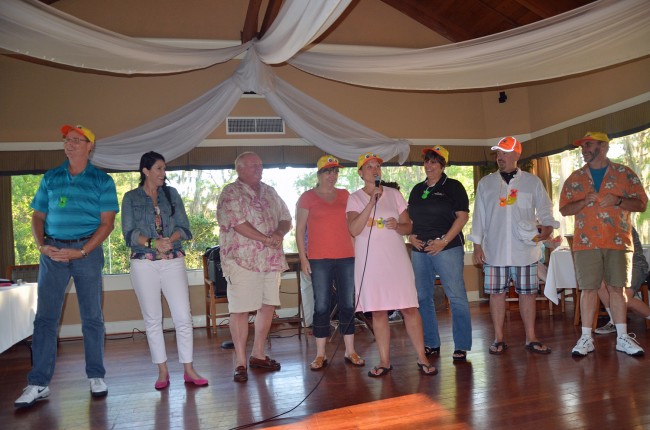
[602,33]
[594,36]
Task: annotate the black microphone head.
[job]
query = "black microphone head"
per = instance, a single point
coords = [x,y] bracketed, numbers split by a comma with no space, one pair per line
[377,180]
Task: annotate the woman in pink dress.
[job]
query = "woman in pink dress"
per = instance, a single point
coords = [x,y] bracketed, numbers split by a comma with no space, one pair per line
[383,275]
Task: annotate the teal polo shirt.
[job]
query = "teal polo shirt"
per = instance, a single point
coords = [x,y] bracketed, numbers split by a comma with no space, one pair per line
[73,204]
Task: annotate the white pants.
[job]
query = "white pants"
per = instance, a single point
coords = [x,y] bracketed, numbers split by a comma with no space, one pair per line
[149,279]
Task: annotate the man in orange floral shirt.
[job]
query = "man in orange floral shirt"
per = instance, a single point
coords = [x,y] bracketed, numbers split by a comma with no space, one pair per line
[601,195]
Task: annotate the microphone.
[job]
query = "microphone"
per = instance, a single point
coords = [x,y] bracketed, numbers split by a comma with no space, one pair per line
[377,181]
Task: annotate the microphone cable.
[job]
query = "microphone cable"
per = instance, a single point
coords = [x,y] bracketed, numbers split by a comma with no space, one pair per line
[338,344]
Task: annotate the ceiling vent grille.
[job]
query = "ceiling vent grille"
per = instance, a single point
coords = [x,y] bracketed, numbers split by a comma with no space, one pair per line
[257,125]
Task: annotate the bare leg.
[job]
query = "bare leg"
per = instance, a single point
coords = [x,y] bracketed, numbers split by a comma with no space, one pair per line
[189,369]
[413,324]
[603,295]
[348,339]
[239,333]
[636,305]
[163,372]
[262,326]
[527,310]
[382,336]
[498,314]
[588,306]
[617,304]
[320,346]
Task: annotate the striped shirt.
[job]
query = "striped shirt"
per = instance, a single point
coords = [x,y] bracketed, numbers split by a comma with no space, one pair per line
[73,204]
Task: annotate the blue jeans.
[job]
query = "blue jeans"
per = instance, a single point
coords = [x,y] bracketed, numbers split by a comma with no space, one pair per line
[449,265]
[53,278]
[325,273]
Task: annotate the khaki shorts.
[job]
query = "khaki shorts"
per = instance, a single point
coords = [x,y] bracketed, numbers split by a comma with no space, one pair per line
[614,266]
[248,291]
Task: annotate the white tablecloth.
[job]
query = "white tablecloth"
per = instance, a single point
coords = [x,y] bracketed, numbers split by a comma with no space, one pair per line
[17,312]
[561,273]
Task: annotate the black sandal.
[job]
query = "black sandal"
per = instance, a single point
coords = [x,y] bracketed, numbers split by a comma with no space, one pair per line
[459,355]
[429,351]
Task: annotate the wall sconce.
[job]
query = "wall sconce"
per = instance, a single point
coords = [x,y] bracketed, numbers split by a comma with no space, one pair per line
[502,97]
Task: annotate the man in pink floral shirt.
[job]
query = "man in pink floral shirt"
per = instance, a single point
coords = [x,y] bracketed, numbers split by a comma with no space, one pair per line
[253,221]
[601,195]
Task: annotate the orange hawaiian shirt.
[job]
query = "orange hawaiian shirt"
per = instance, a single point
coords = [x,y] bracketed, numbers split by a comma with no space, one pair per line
[603,228]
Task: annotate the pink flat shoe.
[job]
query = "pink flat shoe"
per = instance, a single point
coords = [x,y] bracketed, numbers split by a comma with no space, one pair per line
[199,382]
[161,385]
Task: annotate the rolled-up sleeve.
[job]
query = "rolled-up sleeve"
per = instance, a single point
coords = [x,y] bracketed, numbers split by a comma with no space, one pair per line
[129,230]
[182,224]
[544,207]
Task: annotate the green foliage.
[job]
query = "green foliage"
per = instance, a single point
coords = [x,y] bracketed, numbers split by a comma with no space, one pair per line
[200,191]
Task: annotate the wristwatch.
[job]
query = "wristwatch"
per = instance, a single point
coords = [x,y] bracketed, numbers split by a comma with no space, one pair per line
[620,200]
[84,254]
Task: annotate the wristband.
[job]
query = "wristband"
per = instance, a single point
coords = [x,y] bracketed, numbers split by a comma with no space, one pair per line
[153,243]
[39,247]
[619,202]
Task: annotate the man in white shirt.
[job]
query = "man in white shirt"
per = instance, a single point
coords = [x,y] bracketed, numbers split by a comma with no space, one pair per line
[509,205]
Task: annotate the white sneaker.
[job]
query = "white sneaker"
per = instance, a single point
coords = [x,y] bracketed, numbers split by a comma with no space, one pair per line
[606,329]
[98,387]
[584,346]
[627,343]
[31,394]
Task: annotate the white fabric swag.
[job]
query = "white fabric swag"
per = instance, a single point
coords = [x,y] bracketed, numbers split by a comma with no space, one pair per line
[569,43]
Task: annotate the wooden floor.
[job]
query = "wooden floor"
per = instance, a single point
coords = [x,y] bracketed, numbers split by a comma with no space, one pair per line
[518,390]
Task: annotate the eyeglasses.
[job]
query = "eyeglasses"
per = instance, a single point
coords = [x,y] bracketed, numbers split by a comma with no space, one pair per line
[75,140]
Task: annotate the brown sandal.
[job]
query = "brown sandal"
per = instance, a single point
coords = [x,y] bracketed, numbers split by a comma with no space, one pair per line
[355,360]
[318,363]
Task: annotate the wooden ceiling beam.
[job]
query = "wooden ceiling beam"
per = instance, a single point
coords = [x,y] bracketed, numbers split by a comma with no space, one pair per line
[250,25]
[272,11]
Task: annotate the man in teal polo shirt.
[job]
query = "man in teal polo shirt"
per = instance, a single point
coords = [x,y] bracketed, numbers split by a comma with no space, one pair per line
[74,212]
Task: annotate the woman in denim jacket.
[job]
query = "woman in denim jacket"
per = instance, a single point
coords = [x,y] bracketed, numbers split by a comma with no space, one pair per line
[154,224]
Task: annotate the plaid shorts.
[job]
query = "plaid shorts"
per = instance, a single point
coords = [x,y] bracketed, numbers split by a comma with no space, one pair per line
[497,279]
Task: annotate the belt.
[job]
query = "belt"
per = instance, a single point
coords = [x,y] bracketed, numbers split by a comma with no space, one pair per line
[70,240]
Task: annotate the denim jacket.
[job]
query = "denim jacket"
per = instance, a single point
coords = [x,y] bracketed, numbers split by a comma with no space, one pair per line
[138,219]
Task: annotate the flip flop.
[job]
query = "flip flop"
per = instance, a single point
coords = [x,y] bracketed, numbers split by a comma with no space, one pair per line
[428,371]
[496,346]
[542,349]
[381,371]
[459,355]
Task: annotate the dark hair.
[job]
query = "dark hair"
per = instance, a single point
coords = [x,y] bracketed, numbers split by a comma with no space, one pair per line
[147,160]
[433,155]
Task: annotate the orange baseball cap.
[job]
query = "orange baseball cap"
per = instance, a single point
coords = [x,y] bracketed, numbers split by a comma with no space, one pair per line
[508,144]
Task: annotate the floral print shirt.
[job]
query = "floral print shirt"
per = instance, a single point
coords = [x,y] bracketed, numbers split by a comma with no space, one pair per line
[239,203]
[603,228]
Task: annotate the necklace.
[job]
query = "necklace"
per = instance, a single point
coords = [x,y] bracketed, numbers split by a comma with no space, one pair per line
[509,199]
[426,192]
[63,198]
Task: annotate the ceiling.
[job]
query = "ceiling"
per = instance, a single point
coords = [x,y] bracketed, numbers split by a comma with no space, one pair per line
[455,20]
